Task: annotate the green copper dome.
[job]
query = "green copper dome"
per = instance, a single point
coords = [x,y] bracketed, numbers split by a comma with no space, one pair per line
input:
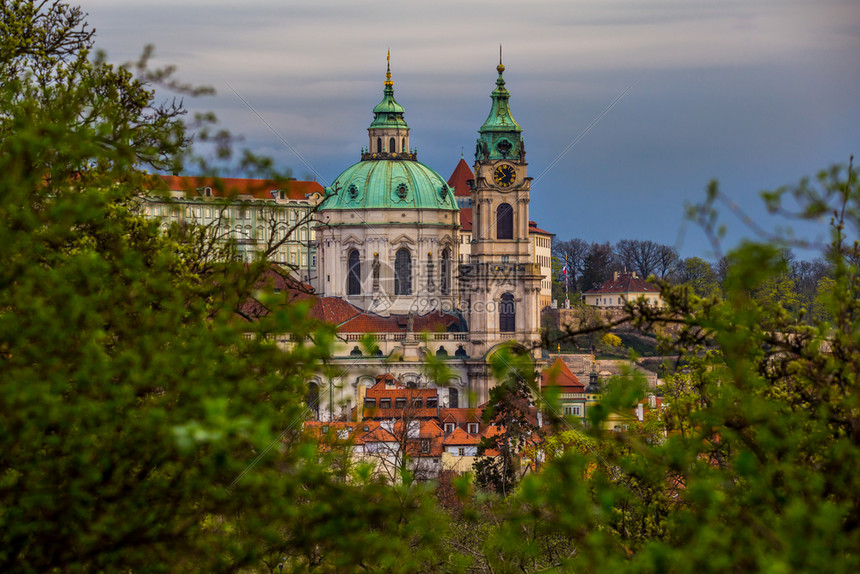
[388,178]
[389,184]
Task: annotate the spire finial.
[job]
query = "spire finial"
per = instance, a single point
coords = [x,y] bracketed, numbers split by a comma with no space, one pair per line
[501,67]
[388,81]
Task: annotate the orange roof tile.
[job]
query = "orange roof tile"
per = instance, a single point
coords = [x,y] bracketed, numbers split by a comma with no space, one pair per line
[433,322]
[228,186]
[461,437]
[465,219]
[559,375]
[533,228]
[460,178]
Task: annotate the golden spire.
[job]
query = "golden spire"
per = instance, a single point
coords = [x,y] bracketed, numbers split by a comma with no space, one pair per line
[501,67]
[388,81]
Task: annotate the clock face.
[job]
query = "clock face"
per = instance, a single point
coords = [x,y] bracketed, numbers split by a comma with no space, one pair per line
[504,175]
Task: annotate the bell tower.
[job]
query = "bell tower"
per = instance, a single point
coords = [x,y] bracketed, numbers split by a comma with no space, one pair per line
[501,284]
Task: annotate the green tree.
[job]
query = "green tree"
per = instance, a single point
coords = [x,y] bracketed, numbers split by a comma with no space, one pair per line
[759,466]
[511,414]
[141,429]
[700,276]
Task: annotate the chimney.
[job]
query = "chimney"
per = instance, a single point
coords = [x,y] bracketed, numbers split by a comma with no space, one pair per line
[615,275]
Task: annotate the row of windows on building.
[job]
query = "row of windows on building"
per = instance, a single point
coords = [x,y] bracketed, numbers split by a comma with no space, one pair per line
[213,212]
[402,272]
[401,402]
[392,145]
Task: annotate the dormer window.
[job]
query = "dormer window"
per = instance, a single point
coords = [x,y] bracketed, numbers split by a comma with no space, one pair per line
[449,428]
[401,191]
[472,428]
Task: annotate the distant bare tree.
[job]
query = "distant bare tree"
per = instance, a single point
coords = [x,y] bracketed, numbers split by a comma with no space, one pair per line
[599,264]
[668,261]
[573,251]
[637,255]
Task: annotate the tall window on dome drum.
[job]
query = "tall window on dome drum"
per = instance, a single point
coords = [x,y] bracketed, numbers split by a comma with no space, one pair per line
[445,272]
[392,147]
[353,273]
[378,145]
[507,314]
[505,222]
[403,145]
[403,272]
[453,398]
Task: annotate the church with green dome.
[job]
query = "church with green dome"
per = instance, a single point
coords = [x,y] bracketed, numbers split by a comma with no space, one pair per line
[387,239]
[423,266]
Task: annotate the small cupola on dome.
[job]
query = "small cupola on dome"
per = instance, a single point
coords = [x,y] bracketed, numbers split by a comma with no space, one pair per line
[388,133]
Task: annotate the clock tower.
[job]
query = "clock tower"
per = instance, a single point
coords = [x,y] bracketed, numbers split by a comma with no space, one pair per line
[500,284]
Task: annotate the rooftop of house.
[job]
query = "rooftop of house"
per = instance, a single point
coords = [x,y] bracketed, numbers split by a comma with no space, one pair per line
[558,375]
[194,186]
[625,283]
[345,316]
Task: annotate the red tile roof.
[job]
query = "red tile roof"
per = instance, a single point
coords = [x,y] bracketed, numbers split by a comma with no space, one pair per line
[333,310]
[626,283]
[461,437]
[559,375]
[227,186]
[533,228]
[433,322]
[459,179]
[465,219]
[460,416]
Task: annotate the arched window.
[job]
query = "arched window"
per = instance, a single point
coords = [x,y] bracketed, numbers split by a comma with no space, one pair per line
[378,145]
[445,272]
[392,147]
[403,272]
[353,273]
[403,145]
[505,222]
[453,398]
[507,314]
[313,400]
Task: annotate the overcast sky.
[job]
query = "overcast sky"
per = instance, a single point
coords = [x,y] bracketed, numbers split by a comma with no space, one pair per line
[754,93]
